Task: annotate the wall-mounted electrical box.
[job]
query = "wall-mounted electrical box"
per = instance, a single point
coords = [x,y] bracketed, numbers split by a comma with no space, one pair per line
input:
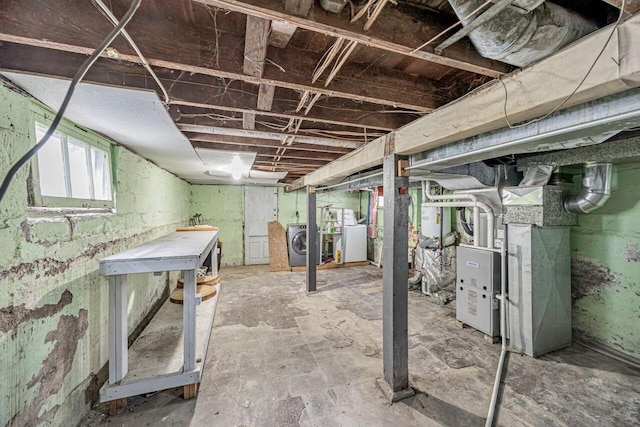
[477,283]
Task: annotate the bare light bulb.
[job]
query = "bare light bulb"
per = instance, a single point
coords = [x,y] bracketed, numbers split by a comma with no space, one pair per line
[236,166]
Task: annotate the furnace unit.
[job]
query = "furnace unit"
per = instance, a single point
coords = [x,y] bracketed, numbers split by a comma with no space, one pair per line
[477,284]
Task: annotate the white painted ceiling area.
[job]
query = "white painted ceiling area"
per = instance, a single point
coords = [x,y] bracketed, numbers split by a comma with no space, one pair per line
[138,120]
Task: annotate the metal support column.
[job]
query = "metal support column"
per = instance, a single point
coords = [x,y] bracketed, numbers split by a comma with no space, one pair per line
[312,237]
[395,291]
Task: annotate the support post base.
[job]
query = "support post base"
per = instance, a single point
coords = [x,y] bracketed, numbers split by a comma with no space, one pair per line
[394,396]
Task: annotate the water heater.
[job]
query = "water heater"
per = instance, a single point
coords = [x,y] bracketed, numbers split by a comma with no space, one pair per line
[433,218]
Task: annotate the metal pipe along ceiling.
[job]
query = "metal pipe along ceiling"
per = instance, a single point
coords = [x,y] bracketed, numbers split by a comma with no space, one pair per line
[521,39]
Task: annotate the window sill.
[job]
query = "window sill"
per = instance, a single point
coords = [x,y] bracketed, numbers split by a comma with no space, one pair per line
[48,212]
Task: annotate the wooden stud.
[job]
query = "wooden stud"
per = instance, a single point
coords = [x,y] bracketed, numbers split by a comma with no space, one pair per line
[265,97]
[117,406]
[255,47]
[249,121]
[189,391]
[402,164]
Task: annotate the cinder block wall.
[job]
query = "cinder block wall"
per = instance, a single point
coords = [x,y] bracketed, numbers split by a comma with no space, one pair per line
[53,302]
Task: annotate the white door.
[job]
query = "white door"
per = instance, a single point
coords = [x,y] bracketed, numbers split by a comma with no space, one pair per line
[260,208]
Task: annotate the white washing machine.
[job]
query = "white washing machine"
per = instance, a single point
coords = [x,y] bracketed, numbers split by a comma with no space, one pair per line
[297,239]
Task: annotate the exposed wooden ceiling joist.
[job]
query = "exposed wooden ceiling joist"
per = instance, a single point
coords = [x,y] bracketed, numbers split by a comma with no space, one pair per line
[292,152]
[239,141]
[202,91]
[381,35]
[186,52]
[267,135]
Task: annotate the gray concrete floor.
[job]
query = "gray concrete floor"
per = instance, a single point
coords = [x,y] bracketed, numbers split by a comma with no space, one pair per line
[281,357]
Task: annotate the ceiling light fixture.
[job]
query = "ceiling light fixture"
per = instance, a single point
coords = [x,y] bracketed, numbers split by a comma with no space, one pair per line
[236,167]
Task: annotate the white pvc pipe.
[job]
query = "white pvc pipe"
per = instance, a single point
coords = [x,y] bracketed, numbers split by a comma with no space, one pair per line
[475,204]
[503,330]
[476,226]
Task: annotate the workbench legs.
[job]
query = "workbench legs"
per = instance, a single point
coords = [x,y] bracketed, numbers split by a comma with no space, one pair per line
[118,334]
[189,319]
[118,337]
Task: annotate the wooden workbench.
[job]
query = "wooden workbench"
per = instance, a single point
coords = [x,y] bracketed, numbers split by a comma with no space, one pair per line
[165,355]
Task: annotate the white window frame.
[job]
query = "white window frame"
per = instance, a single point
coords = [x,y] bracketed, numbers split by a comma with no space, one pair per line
[91,141]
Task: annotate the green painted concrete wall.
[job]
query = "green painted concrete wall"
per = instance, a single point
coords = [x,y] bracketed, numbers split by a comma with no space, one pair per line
[223,206]
[53,302]
[606,268]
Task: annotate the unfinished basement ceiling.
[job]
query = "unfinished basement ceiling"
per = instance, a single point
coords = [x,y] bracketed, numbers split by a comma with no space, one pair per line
[289,81]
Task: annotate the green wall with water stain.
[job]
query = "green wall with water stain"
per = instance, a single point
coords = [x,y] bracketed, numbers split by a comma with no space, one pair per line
[606,269]
[53,302]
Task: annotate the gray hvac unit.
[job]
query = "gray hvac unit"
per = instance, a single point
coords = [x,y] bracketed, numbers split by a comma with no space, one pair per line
[539,288]
[477,283]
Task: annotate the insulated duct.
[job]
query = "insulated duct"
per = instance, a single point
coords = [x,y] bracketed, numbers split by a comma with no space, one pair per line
[524,33]
[596,189]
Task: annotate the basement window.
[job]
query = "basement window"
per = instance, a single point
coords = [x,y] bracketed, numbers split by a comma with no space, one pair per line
[71,172]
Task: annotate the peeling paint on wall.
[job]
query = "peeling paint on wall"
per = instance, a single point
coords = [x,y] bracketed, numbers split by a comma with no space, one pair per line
[53,302]
[12,316]
[55,367]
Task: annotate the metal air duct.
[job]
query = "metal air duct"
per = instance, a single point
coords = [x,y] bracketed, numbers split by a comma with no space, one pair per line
[596,189]
[519,38]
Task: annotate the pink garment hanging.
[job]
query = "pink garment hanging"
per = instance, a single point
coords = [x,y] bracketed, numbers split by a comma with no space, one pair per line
[372,230]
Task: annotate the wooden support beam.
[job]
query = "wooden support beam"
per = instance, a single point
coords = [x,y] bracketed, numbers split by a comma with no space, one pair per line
[527,99]
[399,91]
[255,47]
[20,25]
[265,97]
[214,130]
[291,153]
[249,121]
[291,163]
[298,7]
[235,122]
[239,141]
[281,33]
[380,36]
[203,91]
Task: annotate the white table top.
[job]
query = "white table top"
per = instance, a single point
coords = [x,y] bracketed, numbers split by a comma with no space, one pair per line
[184,250]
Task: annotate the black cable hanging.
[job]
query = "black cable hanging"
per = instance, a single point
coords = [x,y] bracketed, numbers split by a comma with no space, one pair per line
[82,71]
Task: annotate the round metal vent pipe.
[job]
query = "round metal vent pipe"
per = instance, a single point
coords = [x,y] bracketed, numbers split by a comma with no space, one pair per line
[596,189]
[523,38]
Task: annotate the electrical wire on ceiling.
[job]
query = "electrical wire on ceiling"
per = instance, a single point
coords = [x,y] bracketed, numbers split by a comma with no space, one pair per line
[67,98]
[571,95]
[107,12]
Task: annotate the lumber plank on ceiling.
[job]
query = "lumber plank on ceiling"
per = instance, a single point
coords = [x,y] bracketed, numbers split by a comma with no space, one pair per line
[257,142]
[255,47]
[403,39]
[201,91]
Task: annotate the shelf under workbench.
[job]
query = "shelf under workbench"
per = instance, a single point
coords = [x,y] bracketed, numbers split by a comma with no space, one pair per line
[156,357]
